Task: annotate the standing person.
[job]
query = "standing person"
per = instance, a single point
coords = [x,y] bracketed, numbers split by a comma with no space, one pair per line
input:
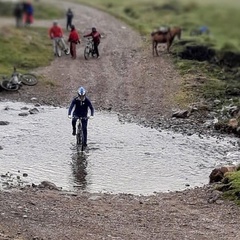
[69,16]
[18,14]
[28,12]
[80,104]
[96,39]
[55,33]
[74,39]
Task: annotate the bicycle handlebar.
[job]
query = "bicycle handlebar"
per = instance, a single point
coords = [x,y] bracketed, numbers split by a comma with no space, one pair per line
[85,118]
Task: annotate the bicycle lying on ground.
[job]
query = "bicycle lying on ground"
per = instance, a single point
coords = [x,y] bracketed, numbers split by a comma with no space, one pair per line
[14,82]
[89,49]
[59,47]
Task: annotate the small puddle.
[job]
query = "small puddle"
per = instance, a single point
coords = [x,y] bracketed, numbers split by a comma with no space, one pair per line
[121,157]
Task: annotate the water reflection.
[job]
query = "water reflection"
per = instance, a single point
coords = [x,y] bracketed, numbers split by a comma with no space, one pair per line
[79,169]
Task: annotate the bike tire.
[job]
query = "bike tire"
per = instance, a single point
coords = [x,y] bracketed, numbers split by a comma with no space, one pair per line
[29,79]
[79,136]
[5,84]
[67,51]
[87,53]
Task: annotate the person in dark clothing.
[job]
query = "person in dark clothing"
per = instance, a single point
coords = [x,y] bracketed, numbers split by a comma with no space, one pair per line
[74,39]
[69,16]
[80,104]
[96,39]
[18,13]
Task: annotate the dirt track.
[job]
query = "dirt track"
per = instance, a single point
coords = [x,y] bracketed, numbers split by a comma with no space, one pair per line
[126,79]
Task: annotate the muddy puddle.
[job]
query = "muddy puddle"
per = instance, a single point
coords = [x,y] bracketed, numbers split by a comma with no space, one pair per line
[120,158]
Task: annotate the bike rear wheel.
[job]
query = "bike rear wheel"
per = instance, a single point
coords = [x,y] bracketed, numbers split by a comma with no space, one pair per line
[79,137]
[7,85]
[67,51]
[29,79]
[87,52]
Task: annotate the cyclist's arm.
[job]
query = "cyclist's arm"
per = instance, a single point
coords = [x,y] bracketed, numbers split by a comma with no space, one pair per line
[71,107]
[91,107]
[88,35]
[50,33]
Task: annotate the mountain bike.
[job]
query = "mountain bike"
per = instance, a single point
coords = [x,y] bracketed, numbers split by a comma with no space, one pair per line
[14,82]
[59,47]
[79,134]
[89,49]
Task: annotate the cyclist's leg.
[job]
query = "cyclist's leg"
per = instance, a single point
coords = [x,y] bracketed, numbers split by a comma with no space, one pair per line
[54,46]
[67,25]
[96,48]
[74,121]
[84,127]
[73,49]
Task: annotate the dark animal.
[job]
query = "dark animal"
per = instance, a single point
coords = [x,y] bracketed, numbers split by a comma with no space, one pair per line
[218,174]
[165,37]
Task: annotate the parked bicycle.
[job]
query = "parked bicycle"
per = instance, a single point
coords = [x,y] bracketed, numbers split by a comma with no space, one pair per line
[59,47]
[79,134]
[89,49]
[15,81]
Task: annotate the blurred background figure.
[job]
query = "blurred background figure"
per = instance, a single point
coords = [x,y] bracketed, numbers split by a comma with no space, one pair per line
[56,33]
[28,13]
[200,31]
[74,39]
[69,16]
[18,14]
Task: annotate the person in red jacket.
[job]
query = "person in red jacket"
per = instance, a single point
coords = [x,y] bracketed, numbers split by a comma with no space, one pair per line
[55,33]
[96,39]
[74,39]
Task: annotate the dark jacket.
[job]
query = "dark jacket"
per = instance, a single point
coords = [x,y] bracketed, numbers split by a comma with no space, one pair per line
[18,10]
[80,107]
[69,15]
[95,36]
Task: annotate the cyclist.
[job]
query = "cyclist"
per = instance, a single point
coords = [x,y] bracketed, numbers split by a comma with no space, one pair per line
[80,104]
[96,39]
[74,39]
[56,33]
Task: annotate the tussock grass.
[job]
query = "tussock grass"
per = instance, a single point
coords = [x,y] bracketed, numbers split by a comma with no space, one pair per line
[25,48]
[234,192]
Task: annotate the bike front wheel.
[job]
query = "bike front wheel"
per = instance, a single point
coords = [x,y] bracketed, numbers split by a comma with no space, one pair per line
[79,138]
[29,79]
[87,53]
[7,85]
